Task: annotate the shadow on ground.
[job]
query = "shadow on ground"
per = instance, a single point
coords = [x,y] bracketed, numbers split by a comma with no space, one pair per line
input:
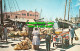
[41,42]
[77,44]
[64,47]
[4,46]
[42,45]
[62,50]
[42,50]
[5,42]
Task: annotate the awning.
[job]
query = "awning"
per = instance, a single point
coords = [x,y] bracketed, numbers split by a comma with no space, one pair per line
[23,20]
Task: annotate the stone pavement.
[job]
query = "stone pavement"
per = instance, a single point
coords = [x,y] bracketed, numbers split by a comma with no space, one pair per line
[75,47]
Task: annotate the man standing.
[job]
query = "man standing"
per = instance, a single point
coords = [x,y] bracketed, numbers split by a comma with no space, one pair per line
[5,32]
[21,27]
[48,40]
[72,32]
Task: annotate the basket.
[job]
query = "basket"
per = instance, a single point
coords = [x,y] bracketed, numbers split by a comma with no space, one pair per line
[76,38]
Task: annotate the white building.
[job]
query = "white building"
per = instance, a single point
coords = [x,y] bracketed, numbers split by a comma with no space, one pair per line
[75,19]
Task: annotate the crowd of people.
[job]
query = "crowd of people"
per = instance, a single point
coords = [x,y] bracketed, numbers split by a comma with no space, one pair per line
[36,35]
[49,37]
[4,30]
[36,38]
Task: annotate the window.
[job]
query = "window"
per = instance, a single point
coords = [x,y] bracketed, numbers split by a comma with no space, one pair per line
[15,16]
[27,14]
[7,16]
[36,15]
[23,14]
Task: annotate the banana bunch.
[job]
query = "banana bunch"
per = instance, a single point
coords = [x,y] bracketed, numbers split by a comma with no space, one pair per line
[23,33]
[13,33]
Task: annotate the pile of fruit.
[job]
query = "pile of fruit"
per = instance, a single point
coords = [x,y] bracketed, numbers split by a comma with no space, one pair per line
[13,33]
[23,45]
[23,33]
[17,33]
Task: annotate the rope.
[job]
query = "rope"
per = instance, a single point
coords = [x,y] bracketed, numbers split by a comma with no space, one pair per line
[17,5]
[14,5]
[9,5]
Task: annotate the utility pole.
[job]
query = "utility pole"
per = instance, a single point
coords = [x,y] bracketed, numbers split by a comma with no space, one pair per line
[65,10]
[35,14]
[1,12]
[40,14]
[69,9]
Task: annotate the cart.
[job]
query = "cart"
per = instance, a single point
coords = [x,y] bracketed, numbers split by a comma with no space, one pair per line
[62,39]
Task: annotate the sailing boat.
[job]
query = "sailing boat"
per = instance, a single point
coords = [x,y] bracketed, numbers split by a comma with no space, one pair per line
[64,23]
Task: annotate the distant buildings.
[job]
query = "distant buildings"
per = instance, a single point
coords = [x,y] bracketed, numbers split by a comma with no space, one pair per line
[75,19]
[22,14]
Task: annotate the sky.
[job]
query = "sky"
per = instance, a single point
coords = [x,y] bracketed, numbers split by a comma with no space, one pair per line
[51,9]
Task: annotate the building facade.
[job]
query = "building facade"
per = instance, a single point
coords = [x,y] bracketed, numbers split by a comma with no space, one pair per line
[75,19]
[22,14]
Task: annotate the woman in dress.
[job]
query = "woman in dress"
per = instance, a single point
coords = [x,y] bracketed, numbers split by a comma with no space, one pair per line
[36,38]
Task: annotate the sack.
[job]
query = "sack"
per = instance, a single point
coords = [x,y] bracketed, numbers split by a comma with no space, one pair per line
[76,38]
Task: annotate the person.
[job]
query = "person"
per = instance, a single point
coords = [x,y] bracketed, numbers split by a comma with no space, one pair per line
[54,35]
[71,32]
[20,27]
[48,40]
[14,28]
[36,38]
[55,39]
[5,32]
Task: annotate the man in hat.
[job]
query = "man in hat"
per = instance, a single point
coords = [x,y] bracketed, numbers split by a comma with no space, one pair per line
[72,33]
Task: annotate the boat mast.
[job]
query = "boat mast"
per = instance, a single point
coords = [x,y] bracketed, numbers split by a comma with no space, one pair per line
[79,11]
[35,14]
[69,9]
[40,14]
[65,10]
[1,12]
